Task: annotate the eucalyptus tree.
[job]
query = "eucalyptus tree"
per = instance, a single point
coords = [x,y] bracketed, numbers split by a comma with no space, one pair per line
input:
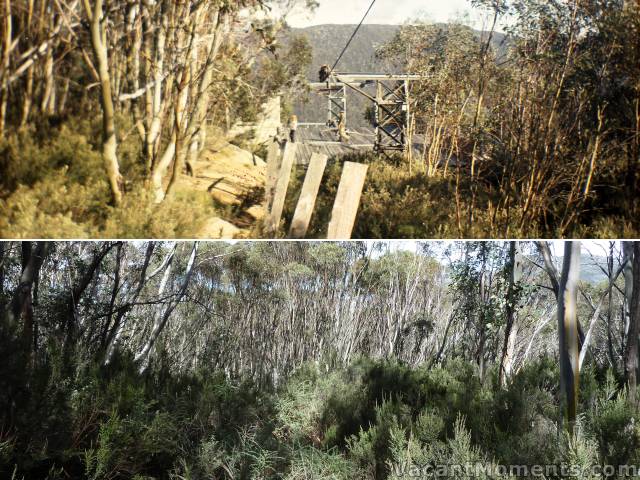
[559,55]
[513,271]
[20,307]
[98,35]
[261,310]
[565,287]
[508,109]
[481,291]
[160,69]
[631,352]
[37,35]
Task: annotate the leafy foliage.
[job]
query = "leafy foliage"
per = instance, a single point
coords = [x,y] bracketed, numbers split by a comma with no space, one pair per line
[370,420]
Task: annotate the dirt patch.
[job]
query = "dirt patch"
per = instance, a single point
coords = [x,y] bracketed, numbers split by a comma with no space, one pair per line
[231,176]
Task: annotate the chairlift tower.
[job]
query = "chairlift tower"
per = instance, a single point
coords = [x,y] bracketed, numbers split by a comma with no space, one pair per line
[392,116]
[391,104]
[337,104]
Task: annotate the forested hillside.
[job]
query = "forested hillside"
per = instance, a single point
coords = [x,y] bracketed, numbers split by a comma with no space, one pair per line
[315,360]
[328,41]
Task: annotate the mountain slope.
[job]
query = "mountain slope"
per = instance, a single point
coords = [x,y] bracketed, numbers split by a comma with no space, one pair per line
[328,41]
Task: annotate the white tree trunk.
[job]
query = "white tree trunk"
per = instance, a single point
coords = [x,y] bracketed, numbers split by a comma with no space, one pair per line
[569,349]
[161,320]
[109,142]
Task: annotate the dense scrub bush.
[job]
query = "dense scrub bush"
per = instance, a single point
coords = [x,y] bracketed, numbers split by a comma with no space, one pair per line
[394,203]
[614,426]
[372,420]
[180,216]
[312,464]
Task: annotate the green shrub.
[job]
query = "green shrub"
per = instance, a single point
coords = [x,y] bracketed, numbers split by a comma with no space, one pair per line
[450,459]
[372,448]
[54,186]
[399,203]
[614,424]
[312,464]
[25,161]
[429,426]
[580,452]
[212,458]
[179,216]
[299,409]
[372,420]
[107,459]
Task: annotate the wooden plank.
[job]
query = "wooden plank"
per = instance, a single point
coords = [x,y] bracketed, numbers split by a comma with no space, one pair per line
[273,165]
[308,195]
[347,201]
[280,192]
[360,77]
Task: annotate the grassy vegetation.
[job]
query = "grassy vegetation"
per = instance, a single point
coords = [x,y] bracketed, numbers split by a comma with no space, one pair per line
[399,203]
[53,186]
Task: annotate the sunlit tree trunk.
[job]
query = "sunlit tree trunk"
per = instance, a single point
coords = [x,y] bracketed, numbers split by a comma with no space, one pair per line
[196,133]
[99,44]
[610,350]
[565,288]
[28,98]
[155,95]
[7,38]
[627,272]
[47,105]
[569,345]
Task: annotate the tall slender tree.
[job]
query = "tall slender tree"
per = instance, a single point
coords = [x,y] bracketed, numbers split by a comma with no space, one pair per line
[565,288]
[631,352]
[514,272]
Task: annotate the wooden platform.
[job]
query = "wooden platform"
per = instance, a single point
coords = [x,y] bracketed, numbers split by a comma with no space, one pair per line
[320,139]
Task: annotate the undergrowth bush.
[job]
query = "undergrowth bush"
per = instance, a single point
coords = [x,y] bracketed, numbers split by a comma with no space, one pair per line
[372,420]
[403,204]
[62,192]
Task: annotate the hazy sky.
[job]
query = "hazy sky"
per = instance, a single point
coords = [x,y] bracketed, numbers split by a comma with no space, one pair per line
[385,11]
[598,248]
